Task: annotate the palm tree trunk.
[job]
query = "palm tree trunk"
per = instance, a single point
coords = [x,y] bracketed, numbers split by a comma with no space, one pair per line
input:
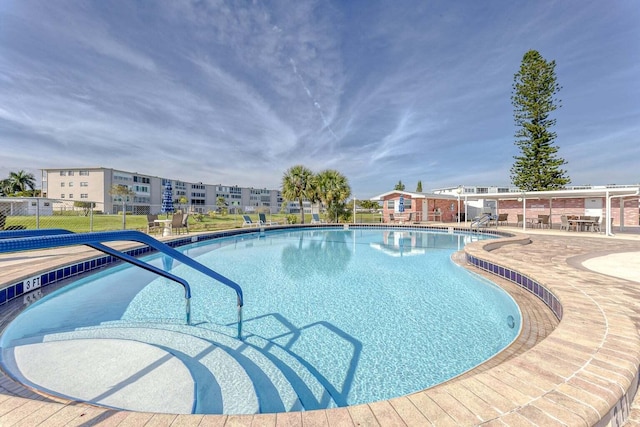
[301,212]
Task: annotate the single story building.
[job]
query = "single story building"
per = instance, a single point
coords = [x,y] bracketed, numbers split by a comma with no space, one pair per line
[406,206]
[20,206]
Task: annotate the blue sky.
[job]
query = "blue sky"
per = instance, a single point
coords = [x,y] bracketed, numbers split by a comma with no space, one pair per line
[236,92]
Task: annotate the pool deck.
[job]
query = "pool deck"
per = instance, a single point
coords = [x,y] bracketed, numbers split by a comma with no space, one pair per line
[580,372]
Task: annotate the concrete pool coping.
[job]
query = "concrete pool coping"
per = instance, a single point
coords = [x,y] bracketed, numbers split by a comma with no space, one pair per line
[576,376]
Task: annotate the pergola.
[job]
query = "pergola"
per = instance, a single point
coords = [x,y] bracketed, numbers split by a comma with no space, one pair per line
[608,193]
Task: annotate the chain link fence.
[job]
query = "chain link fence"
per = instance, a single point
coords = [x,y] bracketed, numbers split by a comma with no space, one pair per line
[86,216]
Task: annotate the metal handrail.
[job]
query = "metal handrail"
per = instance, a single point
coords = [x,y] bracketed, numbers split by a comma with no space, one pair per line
[20,240]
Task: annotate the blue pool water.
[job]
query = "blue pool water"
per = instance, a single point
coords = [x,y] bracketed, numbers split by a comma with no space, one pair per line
[374,313]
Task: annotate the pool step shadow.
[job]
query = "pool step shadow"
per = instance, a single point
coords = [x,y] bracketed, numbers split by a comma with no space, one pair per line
[230,376]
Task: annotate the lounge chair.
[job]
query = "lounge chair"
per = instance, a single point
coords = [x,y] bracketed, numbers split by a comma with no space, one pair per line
[247,222]
[263,220]
[315,219]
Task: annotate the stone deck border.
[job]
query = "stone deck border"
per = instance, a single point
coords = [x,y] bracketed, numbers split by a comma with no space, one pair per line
[584,373]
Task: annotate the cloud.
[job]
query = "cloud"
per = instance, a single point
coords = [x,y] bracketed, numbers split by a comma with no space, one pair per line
[235,93]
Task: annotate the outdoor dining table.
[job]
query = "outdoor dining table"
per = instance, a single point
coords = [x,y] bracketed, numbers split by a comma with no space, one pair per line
[582,223]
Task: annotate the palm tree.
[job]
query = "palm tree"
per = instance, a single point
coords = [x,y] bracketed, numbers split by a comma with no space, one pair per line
[5,187]
[19,182]
[333,190]
[298,184]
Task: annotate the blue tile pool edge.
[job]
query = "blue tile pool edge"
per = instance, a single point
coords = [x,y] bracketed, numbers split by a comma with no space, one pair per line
[523,281]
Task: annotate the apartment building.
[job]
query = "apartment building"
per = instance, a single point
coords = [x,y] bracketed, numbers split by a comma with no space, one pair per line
[93,184]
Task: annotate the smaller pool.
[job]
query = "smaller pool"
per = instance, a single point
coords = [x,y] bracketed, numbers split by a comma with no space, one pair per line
[345,316]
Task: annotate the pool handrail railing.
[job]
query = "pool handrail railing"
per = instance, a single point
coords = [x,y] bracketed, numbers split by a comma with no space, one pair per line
[13,234]
[22,240]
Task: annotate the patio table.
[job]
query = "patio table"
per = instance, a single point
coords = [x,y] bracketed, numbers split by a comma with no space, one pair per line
[582,224]
[166,230]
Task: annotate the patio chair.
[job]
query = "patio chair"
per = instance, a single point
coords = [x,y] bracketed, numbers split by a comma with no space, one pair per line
[565,224]
[520,219]
[503,219]
[177,226]
[263,220]
[247,222]
[185,223]
[315,219]
[543,221]
[392,218]
[152,226]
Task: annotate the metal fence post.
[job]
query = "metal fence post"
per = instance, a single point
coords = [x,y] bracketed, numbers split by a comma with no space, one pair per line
[37,213]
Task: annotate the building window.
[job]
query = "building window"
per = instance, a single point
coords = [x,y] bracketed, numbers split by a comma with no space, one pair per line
[391,204]
[84,173]
[70,184]
[62,184]
[71,196]
[62,196]
[70,173]
[63,173]
[84,184]
[84,196]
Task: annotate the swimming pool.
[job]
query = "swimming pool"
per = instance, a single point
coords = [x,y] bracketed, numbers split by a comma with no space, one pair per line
[364,314]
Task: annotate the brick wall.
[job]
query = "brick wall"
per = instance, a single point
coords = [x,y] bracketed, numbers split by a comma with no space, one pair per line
[574,206]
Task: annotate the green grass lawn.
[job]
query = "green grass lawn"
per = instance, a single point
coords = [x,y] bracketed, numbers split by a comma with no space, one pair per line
[83,224]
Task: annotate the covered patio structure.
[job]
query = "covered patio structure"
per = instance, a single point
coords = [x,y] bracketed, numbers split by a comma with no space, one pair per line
[619,205]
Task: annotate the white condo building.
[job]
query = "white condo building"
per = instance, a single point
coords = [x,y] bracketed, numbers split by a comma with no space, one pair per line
[93,184]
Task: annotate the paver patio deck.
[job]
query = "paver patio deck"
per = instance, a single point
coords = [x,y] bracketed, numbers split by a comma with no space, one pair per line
[580,371]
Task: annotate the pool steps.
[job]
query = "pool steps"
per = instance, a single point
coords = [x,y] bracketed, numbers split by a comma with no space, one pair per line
[231,376]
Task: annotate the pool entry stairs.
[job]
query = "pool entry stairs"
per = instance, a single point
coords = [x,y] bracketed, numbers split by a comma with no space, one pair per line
[207,370]
[161,367]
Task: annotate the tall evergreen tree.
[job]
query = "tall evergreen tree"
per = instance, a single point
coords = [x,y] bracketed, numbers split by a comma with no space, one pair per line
[537,167]
[399,186]
[419,187]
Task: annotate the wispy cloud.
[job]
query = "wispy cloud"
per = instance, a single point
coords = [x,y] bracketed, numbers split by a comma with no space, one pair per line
[235,93]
